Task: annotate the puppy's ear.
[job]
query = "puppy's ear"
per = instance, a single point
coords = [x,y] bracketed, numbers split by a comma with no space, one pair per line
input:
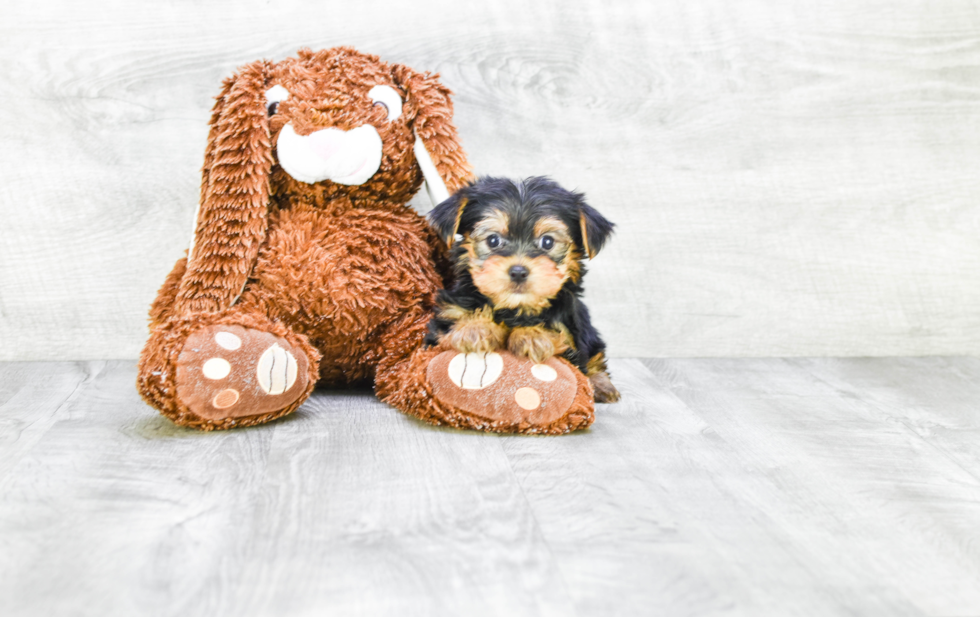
[437,149]
[231,219]
[595,229]
[445,217]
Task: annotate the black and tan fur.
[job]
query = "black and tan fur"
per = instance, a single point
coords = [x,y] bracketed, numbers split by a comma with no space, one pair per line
[517,249]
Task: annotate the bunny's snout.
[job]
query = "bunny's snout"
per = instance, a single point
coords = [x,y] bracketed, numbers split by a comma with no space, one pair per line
[345,157]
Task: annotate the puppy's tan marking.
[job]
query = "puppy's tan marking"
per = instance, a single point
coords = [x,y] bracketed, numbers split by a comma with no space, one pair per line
[453,312]
[546,278]
[492,279]
[536,343]
[573,269]
[459,217]
[605,391]
[475,332]
[597,364]
[585,235]
[497,222]
[552,226]
[544,281]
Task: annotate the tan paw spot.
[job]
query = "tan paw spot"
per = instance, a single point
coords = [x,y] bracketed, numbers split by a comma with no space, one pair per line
[475,371]
[228,340]
[527,398]
[216,368]
[276,370]
[225,398]
[544,372]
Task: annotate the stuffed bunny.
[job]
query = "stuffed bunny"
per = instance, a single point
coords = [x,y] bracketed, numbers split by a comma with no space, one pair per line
[307,266]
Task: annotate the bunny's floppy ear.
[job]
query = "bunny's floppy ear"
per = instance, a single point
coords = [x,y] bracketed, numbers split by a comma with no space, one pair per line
[437,147]
[231,218]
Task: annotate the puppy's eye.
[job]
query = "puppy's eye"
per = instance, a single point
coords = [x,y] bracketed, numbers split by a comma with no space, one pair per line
[273,96]
[493,241]
[389,98]
[547,243]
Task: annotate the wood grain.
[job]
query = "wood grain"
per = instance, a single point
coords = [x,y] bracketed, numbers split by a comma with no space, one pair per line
[347,507]
[33,396]
[717,486]
[788,179]
[844,488]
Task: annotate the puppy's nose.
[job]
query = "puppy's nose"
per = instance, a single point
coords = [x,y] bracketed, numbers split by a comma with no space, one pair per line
[518,274]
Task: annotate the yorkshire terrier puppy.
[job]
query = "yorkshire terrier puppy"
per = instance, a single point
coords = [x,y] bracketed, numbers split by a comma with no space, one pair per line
[517,250]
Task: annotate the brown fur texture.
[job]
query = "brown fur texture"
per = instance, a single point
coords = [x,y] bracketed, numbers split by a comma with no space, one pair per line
[346,274]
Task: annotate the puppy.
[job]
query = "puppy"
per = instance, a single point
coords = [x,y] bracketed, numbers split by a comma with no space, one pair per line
[517,250]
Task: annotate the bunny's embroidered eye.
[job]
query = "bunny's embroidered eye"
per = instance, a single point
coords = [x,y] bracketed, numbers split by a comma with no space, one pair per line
[389,98]
[273,96]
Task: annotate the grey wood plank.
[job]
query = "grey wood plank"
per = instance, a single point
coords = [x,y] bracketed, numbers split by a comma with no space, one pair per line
[869,506]
[657,510]
[735,487]
[938,399]
[117,512]
[345,508]
[615,505]
[32,396]
[369,512]
[789,178]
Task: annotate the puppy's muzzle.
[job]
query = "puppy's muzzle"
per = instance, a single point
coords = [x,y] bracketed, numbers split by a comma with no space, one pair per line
[345,157]
[518,273]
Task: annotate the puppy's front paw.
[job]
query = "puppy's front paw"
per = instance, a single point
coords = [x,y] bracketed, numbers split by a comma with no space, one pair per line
[605,391]
[476,336]
[535,343]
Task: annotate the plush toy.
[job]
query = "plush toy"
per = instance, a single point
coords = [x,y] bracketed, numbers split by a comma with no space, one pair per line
[308,267]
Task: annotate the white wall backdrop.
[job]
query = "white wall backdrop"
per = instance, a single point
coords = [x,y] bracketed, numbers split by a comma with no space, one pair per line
[788,177]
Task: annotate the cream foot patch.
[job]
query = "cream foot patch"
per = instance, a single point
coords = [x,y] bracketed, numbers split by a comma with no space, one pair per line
[475,371]
[232,372]
[276,370]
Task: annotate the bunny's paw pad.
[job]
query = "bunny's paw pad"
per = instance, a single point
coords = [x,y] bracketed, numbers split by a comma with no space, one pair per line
[509,392]
[232,372]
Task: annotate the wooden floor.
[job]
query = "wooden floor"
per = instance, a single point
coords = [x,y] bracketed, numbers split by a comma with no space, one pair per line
[736,487]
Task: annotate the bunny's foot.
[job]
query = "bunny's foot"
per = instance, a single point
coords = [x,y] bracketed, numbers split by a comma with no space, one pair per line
[225,372]
[495,391]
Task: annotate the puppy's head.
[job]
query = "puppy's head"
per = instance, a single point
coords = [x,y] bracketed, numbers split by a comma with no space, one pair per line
[521,241]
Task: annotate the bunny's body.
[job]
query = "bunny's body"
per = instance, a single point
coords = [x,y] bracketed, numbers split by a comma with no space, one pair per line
[327,278]
[326,260]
